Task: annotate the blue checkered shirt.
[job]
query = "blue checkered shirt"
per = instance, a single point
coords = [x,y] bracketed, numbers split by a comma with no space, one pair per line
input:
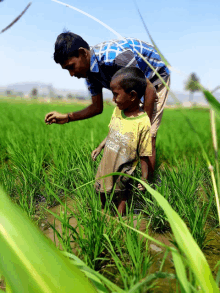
[108,57]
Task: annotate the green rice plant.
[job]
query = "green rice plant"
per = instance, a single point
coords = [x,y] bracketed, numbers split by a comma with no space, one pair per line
[88,235]
[35,156]
[180,188]
[176,141]
[124,245]
[209,195]
[132,250]
[150,208]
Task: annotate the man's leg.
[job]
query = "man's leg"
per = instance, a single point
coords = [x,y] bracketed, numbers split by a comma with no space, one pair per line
[162,95]
[152,161]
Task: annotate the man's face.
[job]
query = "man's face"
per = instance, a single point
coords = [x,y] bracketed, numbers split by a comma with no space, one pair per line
[78,66]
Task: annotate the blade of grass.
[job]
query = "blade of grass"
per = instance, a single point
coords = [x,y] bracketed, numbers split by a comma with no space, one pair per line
[213,102]
[148,279]
[16,19]
[181,271]
[161,55]
[93,274]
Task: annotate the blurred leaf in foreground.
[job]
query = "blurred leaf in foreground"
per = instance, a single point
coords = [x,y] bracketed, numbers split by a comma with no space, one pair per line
[214,103]
[29,262]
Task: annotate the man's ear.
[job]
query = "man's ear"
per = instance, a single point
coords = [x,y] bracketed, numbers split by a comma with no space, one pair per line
[82,51]
[134,95]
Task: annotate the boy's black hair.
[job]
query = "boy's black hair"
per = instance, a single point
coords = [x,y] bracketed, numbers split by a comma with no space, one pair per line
[132,78]
[67,45]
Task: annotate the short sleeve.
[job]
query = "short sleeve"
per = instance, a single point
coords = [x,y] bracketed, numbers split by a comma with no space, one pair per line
[145,144]
[94,87]
[113,116]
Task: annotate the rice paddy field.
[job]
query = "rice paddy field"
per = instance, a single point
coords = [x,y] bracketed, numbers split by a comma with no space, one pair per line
[47,170]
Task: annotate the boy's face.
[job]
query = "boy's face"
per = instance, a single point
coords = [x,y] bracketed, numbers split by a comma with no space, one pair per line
[120,97]
[78,66]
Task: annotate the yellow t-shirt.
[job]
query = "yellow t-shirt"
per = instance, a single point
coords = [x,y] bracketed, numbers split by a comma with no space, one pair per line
[128,139]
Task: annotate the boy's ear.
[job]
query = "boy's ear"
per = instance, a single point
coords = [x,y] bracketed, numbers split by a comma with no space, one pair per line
[133,94]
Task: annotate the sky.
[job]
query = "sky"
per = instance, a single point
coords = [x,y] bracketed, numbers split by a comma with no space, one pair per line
[187,33]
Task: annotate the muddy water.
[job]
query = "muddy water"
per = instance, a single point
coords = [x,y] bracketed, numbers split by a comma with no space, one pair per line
[212,251]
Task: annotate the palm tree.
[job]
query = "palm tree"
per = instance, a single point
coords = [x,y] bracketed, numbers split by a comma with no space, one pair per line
[34,93]
[192,85]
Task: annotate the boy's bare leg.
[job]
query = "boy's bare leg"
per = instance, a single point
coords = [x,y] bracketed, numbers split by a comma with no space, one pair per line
[124,196]
[122,206]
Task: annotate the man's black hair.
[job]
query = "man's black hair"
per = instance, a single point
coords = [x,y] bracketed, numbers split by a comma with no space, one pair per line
[67,45]
[132,78]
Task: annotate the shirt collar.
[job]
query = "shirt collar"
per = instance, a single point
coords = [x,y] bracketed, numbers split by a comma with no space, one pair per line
[94,66]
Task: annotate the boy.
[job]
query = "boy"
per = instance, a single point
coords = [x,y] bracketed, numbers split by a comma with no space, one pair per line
[129,136]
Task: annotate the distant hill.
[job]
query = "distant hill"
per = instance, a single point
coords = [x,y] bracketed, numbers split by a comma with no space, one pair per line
[44,89]
[198,98]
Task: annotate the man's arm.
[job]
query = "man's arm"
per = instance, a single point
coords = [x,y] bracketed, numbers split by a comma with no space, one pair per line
[94,109]
[144,170]
[144,167]
[149,99]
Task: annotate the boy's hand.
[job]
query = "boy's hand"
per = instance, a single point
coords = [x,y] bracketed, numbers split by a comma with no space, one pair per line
[55,117]
[95,153]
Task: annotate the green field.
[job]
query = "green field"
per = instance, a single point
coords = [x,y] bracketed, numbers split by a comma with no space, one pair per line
[41,163]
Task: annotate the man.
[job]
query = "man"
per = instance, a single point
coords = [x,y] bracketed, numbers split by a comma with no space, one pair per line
[99,63]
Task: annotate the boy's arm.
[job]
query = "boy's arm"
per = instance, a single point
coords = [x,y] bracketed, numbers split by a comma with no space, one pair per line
[92,110]
[97,151]
[102,144]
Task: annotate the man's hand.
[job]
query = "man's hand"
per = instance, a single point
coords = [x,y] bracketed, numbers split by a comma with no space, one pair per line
[55,117]
[141,187]
[96,152]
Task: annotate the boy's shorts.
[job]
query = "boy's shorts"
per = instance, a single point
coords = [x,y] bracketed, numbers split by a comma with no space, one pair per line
[159,104]
[123,184]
